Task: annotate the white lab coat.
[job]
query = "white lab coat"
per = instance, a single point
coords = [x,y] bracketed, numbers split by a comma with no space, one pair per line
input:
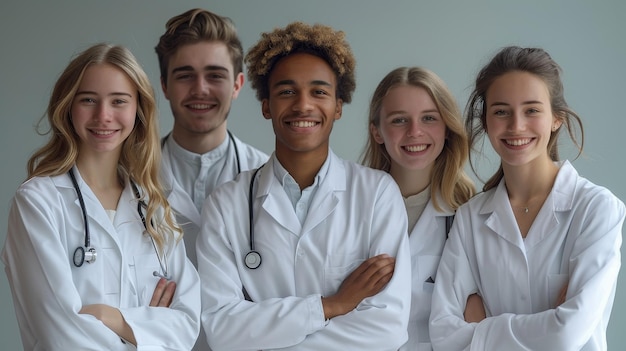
[426,241]
[575,240]
[356,213]
[45,227]
[186,211]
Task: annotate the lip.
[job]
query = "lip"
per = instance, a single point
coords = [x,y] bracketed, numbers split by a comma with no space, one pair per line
[302,124]
[517,143]
[103,133]
[415,148]
[200,106]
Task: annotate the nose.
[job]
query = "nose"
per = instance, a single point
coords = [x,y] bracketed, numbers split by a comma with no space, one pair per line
[200,87]
[517,122]
[414,129]
[102,112]
[303,103]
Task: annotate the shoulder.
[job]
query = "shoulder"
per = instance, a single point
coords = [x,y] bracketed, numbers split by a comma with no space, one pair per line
[249,154]
[366,181]
[583,193]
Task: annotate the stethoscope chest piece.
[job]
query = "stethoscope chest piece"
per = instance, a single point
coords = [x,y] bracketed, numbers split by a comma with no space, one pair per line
[252,260]
[81,256]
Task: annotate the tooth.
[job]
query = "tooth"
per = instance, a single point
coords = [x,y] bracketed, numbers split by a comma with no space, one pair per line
[415,148]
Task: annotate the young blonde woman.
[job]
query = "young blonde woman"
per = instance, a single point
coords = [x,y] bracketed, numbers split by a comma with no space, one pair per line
[416,135]
[541,244]
[93,255]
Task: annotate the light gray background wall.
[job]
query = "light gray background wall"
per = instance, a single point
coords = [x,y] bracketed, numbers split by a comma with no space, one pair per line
[452,38]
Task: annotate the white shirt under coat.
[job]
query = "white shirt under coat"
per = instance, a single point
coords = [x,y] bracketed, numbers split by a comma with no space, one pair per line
[575,240]
[203,173]
[426,240]
[355,214]
[46,226]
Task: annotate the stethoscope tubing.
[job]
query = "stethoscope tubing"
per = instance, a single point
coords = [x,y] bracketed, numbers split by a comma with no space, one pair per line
[140,205]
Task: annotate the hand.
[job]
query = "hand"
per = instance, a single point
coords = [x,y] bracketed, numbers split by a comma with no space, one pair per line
[474,310]
[562,295]
[112,318]
[365,281]
[163,293]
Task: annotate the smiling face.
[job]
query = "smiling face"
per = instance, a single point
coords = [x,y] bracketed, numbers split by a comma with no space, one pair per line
[411,129]
[104,109]
[200,87]
[519,118]
[302,105]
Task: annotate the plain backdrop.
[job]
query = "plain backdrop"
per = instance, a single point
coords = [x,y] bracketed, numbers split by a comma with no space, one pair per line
[452,38]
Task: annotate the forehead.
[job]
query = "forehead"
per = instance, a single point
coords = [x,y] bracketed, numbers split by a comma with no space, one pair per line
[104,77]
[302,68]
[407,95]
[201,55]
[518,86]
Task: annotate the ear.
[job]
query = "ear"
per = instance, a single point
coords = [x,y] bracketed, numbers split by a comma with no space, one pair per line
[265,109]
[338,109]
[164,88]
[557,121]
[376,134]
[238,84]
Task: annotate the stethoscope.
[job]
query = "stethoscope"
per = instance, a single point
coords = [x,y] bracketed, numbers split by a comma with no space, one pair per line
[252,259]
[232,142]
[88,253]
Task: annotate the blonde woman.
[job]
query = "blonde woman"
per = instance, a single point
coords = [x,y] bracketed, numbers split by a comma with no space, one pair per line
[93,255]
[416,135]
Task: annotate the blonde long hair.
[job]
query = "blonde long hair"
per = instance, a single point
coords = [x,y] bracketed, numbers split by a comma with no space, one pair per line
[140,157]
[448,177]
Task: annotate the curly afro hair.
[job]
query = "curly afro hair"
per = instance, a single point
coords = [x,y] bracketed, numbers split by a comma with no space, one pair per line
[298,37]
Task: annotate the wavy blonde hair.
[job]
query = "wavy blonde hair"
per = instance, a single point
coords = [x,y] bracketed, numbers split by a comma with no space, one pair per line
[140,157]
[448,177]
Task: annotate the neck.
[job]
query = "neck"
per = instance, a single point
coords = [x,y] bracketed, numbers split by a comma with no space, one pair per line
[303,167]
[410,182]
[99,172]
[529,185]
[199,143]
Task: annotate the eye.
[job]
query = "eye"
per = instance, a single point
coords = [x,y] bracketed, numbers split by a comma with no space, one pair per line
[500,113]
[399,120]
[87,100]
[185,76]
[320,92]
[119,101]
[532,110]
[285,92]
[429,118]
[216,76]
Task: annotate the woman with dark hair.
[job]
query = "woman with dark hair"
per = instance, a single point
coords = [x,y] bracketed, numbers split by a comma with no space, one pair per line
[541,244]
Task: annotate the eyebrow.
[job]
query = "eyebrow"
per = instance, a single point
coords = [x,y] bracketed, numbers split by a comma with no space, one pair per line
[293,82]
[395,112]
[115,93]
[206,68]
[530,102]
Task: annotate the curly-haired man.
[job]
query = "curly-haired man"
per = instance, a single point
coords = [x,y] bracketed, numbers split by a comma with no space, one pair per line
[321,261]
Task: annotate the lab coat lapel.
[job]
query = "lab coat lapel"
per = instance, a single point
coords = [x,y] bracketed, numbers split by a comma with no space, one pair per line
[558,200]
[501,219]
[431,224]
[178,198]
[276,203]
[325,200]
[94,208]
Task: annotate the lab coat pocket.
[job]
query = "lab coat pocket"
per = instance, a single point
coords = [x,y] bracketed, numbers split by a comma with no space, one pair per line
[336,269]
[424,270]
[556,284]
[145,281]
